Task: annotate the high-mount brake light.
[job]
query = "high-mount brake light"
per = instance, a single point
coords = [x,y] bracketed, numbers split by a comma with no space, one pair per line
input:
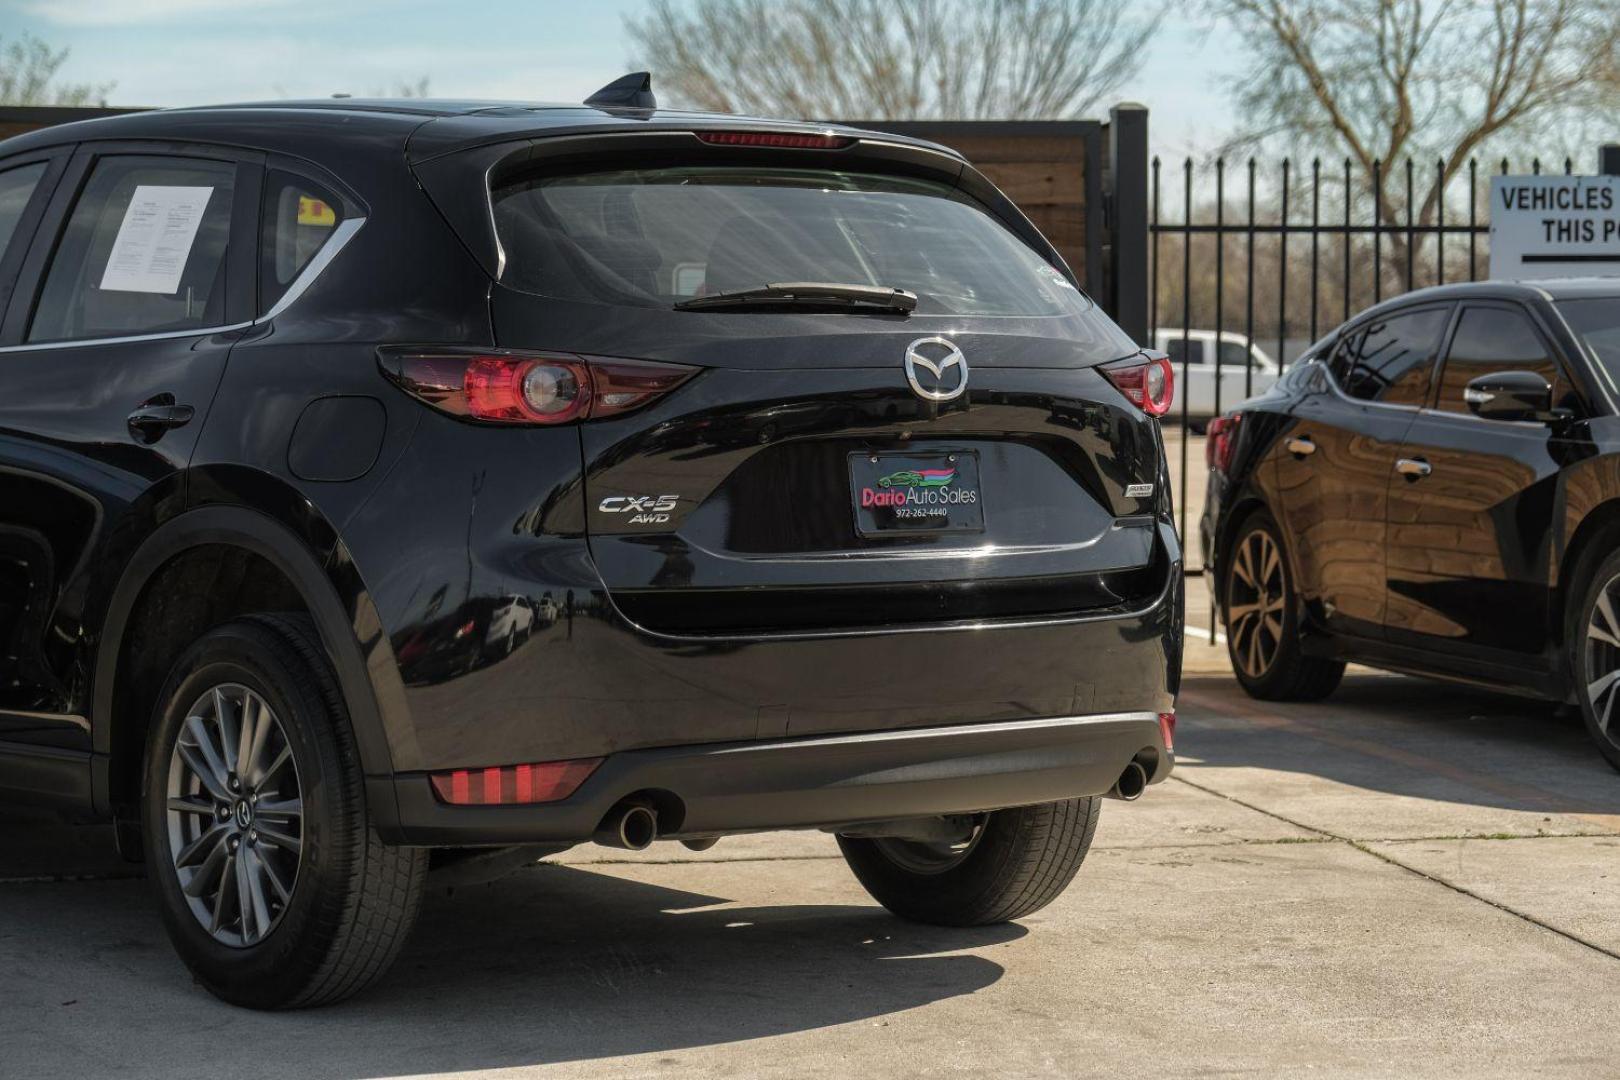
[782,140]
[510,387]
[1220,437]
[1147,380]
[512,785]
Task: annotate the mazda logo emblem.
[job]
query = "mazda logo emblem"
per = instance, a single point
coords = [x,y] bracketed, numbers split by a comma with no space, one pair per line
[930,379]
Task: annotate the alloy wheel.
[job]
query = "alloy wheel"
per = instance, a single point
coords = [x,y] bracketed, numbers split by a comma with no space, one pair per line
[1254,603]
[235,815]
[1602,656]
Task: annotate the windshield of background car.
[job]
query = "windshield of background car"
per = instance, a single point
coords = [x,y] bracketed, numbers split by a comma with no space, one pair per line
[1597,323]
[659,236]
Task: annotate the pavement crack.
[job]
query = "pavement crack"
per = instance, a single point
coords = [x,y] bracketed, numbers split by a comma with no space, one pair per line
[1362,847]
[1463,891]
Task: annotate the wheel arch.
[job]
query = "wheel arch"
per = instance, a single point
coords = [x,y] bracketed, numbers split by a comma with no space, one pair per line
[1239,511]
[1582,553]
[327,588]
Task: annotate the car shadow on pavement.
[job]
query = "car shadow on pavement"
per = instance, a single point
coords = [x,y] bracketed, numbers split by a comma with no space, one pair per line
[552,964]
[1411,737]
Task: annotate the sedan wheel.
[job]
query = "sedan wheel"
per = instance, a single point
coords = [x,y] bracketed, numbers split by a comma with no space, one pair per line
[1254,612]
[1262,619]
[1599,656]
[235,815]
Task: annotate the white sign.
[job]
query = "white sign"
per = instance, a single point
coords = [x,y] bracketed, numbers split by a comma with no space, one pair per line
[150,251]
[1554,226]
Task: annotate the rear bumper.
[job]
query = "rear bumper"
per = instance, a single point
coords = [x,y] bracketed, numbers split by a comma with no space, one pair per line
[812,782]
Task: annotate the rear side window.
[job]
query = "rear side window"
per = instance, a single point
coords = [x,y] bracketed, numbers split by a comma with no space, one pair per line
[1491,340]
[16,188]
[143,251]
[1389,360]
[1234,355]
[657,236]
[299,217]
[1182,350]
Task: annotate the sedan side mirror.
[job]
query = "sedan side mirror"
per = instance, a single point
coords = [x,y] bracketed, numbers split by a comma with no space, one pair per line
[1510,395]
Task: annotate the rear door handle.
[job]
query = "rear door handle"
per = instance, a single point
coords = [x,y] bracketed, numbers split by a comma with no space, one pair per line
[154,417]
[1299,446]
[1413,468]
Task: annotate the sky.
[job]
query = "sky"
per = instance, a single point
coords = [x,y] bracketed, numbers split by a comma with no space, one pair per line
[189,52]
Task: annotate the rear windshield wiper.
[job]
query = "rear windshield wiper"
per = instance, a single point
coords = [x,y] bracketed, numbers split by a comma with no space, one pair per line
[821,294]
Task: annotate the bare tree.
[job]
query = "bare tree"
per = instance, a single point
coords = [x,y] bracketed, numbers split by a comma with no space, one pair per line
[893,60]
[1388,80]
[28,67]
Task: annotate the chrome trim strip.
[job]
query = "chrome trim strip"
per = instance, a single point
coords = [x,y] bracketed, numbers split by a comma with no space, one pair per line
[86,343]
[993,727]
[312,269]
[61,718]
[306,277]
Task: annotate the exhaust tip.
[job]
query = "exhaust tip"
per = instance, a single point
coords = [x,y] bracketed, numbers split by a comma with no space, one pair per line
[1131,783]
[632,826]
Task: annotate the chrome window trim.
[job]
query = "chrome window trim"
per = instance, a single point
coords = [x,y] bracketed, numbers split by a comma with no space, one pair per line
[76,343]
[306,277]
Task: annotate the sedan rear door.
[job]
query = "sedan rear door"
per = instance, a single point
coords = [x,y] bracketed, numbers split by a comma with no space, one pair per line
[1334,461]
[1472,501]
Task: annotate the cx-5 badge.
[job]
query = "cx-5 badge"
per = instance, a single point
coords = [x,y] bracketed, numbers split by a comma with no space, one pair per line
[939,387]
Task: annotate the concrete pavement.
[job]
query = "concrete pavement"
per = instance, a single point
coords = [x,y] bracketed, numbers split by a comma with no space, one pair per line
[1407,880]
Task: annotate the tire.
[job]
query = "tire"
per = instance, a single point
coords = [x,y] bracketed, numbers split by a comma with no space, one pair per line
[1594,661]
[1017,862]
[327,913]
[1263,641]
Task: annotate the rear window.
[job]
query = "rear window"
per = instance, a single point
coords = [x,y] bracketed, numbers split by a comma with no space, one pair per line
[1597,323]
[658,236]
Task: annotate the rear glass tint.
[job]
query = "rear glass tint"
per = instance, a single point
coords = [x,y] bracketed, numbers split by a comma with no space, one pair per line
[658,236]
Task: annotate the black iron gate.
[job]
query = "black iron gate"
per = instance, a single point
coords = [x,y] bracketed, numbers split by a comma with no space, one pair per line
[1358,236]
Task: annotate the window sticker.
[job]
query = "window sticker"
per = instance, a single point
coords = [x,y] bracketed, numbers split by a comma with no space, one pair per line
[149,254]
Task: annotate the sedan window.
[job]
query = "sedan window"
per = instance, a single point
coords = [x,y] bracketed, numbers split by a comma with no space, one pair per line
[1597,323]
[1491,340]
[1391,360]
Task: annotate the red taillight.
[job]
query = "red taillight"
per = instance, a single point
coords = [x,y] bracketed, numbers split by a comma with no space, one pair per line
[509,387]
[1220,437]
[782,140]
[1167,728]
[513,785]
[1147,380]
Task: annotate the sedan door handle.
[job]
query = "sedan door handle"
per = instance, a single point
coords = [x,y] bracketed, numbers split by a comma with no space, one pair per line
[153,418]
[1413,468]
[1299,446]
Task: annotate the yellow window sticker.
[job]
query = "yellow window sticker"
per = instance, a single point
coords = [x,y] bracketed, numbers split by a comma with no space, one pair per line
[315,212]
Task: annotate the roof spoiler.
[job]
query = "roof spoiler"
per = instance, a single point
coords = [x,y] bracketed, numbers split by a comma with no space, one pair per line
[632,91]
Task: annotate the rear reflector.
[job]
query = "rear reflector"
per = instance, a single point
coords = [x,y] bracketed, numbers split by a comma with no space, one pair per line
[510,387]
[782,140]
[513,785]
[1219,438]
[1147,380]
[1167,728]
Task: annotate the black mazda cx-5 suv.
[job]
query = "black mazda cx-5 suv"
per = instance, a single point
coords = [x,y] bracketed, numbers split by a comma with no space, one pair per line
[383,477]
[1434,488]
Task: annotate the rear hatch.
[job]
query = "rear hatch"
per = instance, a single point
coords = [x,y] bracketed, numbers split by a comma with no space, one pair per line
[829,465]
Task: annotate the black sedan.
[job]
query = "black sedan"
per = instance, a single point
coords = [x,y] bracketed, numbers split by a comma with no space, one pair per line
[1433,488]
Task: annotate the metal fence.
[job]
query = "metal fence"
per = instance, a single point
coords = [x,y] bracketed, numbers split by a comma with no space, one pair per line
[1289,255]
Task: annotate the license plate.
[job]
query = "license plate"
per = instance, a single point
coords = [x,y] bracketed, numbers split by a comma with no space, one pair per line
[916,493]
